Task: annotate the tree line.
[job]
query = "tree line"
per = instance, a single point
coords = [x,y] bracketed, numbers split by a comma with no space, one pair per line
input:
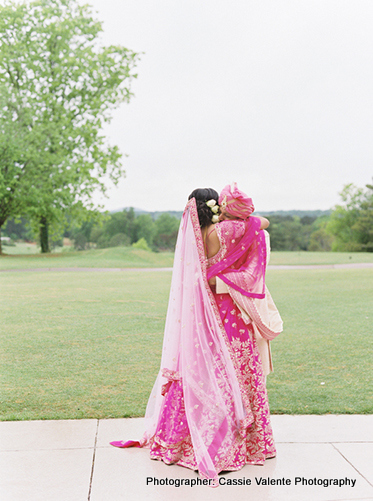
[348,227]
[125,228]
[351,222]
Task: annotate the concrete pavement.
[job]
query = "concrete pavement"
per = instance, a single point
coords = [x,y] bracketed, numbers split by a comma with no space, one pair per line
[319,458]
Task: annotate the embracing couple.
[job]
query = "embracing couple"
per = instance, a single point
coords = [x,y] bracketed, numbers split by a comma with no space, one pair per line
[208,409]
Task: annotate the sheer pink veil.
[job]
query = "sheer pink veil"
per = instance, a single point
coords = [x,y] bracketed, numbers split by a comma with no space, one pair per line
[196,351]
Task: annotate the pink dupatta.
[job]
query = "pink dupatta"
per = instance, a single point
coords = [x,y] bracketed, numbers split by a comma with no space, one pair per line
[197,354]
[243,271]
[196,351]
[244,264]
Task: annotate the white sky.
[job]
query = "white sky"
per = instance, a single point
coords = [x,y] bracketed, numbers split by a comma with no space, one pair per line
[273,94]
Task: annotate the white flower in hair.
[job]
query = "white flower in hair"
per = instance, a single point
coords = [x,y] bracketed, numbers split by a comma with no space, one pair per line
[215,219]
[211,203]
[215,209]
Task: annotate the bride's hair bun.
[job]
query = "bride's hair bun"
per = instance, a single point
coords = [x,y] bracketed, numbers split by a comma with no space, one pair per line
[203,195]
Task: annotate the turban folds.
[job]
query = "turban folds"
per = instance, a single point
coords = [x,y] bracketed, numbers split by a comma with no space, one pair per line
[235,202]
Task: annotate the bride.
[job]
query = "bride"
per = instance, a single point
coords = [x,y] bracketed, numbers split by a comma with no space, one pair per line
[208,409]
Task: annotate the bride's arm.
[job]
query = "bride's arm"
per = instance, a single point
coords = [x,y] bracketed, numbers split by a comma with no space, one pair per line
[264,223]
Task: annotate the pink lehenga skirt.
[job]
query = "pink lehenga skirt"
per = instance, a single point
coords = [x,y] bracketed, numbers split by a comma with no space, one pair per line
[172,442]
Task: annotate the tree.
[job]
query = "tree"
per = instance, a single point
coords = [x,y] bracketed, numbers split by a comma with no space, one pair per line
[105,233]
[18,229]
[286,233]
[121,222]
[320,240]
[351,223]
[58,87]
[364,224]
[81,235]
[166,229]
[144,228]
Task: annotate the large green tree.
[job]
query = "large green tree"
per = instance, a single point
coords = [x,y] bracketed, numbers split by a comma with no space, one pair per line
[351,222]
[58,87]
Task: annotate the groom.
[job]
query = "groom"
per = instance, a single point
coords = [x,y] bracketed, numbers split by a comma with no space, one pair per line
[235,204]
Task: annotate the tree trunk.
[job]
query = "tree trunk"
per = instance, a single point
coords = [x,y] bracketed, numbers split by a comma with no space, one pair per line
[44,241]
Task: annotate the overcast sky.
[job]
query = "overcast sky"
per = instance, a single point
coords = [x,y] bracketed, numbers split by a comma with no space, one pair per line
[276,95]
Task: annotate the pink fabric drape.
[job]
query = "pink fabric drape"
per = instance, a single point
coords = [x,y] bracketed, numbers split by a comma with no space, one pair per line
[196,364]
[243,270]
[243,267]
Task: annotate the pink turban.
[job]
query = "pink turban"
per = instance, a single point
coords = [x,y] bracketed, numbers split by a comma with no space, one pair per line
[235,202]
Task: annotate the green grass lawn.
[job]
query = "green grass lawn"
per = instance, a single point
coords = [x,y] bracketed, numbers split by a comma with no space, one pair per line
[80,345]
[323,360]
[21,248]
[308,258]
[114,257]
[127,257]
[88,345]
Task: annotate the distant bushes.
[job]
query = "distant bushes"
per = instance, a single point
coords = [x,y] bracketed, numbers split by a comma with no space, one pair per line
[348,227]
[294,233]
[124,228]
[141,244]
[351,222]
